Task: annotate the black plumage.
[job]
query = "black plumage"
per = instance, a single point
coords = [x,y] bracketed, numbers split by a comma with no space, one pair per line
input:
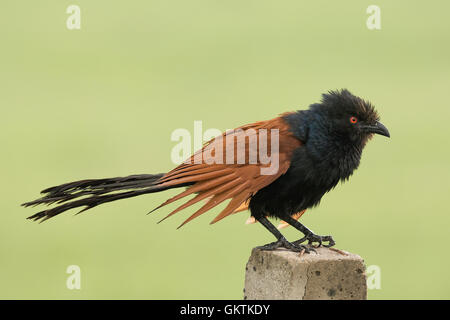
[330,152]
[318,147]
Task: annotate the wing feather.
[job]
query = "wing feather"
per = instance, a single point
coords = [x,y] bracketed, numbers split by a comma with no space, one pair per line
[236,181]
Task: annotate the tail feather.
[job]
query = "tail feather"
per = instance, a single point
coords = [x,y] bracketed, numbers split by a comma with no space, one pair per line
[93,192]
[99,184]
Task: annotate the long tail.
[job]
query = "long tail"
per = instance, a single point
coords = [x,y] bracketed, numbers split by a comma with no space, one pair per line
[93,192]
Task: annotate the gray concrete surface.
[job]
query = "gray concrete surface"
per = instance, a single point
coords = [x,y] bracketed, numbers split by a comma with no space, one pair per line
[283,274]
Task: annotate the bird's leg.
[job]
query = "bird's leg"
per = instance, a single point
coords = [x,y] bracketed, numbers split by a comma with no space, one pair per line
[310,236]
[281,242]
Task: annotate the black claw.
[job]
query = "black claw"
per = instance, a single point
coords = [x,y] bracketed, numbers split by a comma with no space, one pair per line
[330,242]
[312,238]
[283,243]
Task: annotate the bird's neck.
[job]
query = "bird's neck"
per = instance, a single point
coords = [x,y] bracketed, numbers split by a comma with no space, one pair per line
[332,154]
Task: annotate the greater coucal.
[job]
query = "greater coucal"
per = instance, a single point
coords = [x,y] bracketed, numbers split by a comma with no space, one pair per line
[314,150]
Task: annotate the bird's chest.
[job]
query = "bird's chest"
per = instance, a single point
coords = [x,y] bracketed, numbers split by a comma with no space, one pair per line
[322,170]
[309,177]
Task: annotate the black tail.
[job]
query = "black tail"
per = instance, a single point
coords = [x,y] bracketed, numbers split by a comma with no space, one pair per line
[94,192]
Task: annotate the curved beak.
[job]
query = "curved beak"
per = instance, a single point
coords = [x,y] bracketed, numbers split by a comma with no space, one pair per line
[377,128]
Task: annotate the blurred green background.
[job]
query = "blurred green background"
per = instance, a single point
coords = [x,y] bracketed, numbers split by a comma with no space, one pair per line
[103,101]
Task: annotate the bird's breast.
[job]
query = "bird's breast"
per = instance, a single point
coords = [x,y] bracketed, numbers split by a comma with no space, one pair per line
[308,178]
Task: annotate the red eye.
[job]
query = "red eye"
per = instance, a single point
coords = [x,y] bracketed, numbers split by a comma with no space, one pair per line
[353,119]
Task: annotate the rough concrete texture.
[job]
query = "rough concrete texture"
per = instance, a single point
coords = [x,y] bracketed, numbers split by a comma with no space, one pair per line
[283,274]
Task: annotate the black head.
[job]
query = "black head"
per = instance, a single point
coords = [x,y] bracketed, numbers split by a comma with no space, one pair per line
[349,116]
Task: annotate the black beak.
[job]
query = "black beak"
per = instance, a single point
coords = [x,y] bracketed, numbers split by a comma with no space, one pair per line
[377,128]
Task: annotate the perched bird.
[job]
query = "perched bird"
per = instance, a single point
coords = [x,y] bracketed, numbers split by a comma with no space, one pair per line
[310,152]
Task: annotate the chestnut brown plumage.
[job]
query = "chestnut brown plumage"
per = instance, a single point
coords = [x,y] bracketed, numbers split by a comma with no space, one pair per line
[316,148]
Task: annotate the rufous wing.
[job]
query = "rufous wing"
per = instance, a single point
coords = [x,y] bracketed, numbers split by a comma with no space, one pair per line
[216,175]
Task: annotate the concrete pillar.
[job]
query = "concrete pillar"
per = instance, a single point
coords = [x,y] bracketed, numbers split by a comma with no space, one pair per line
[282,274]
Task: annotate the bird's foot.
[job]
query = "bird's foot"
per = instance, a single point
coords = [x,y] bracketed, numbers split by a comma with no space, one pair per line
[283,243]
[312,238]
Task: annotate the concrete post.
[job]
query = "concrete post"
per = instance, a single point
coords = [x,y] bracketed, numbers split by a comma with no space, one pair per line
[283,274]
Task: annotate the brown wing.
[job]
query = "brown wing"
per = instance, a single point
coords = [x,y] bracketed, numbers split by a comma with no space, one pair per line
[230,167]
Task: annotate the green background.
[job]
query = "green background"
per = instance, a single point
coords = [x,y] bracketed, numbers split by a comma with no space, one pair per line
[103,101]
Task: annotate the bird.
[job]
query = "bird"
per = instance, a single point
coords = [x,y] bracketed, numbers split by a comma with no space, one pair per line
[311,151]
